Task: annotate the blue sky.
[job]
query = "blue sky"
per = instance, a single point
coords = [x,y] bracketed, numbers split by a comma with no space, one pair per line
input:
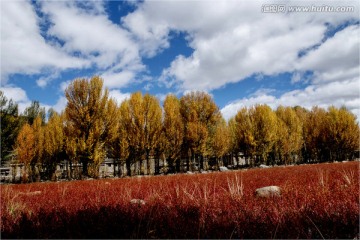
[230,49]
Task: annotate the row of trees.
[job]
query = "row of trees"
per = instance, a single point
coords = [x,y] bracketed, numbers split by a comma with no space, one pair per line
[294,134]
[12,121]
[191,128]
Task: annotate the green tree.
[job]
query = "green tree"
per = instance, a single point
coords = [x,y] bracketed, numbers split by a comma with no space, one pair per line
[34,111]
[10,126]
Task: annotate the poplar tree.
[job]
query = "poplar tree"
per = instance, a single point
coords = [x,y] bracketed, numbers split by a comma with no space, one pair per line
[86,116]
[25,148]
[220,140]
[152,126]
[244,135]
[289,133]
[53,144]
[316,134]
[264,120]
[141,117]
[199,113]
[173,129]
[343,133]
[39,140]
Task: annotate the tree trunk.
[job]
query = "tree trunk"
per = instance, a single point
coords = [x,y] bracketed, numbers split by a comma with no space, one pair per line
[85,162]
[178,165]
[201,167]
[148,162]
[188,163]
[114,162]
[237,161]
[128,167]
[70,173]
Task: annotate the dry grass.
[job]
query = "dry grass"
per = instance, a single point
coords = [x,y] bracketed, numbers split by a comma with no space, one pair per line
[314,204]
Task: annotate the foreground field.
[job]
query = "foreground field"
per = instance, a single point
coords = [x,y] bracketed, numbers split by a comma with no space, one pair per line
[317,201]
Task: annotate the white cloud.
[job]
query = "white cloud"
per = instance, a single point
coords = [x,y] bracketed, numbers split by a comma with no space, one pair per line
[231,40]
[80,29]
[113,79]
[15,93]
[232,108]
[346,93]
[23,49]
[60,104]
[334,60]
[118,95]
[18,95]
[335,81]
[45,80]
[92,35]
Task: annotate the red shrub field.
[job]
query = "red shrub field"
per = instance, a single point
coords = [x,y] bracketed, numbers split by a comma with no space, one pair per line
[317,201]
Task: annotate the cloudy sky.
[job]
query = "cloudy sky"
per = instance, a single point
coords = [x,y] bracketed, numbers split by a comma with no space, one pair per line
[234,50]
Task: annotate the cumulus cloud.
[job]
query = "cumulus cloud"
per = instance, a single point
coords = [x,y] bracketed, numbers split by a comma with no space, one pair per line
[337,94]
[60,104]
[231,40]
[77,35]
[337,59]
[118,95]
[235,40]
[93,36]
[23,49]
[335,81]
[18,95]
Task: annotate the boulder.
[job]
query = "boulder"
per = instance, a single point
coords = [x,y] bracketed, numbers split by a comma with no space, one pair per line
[264,166]
[223,169]
[137,201]
[268,191]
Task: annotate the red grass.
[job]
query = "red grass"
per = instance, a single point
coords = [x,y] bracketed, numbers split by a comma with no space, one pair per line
[318,201]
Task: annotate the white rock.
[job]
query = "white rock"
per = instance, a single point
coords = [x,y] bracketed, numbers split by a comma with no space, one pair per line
[268,191]
[188,172]
[137,201]
[264,166]
[223,169]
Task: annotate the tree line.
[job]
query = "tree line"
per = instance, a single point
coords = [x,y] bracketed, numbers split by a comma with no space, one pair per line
[183,131]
